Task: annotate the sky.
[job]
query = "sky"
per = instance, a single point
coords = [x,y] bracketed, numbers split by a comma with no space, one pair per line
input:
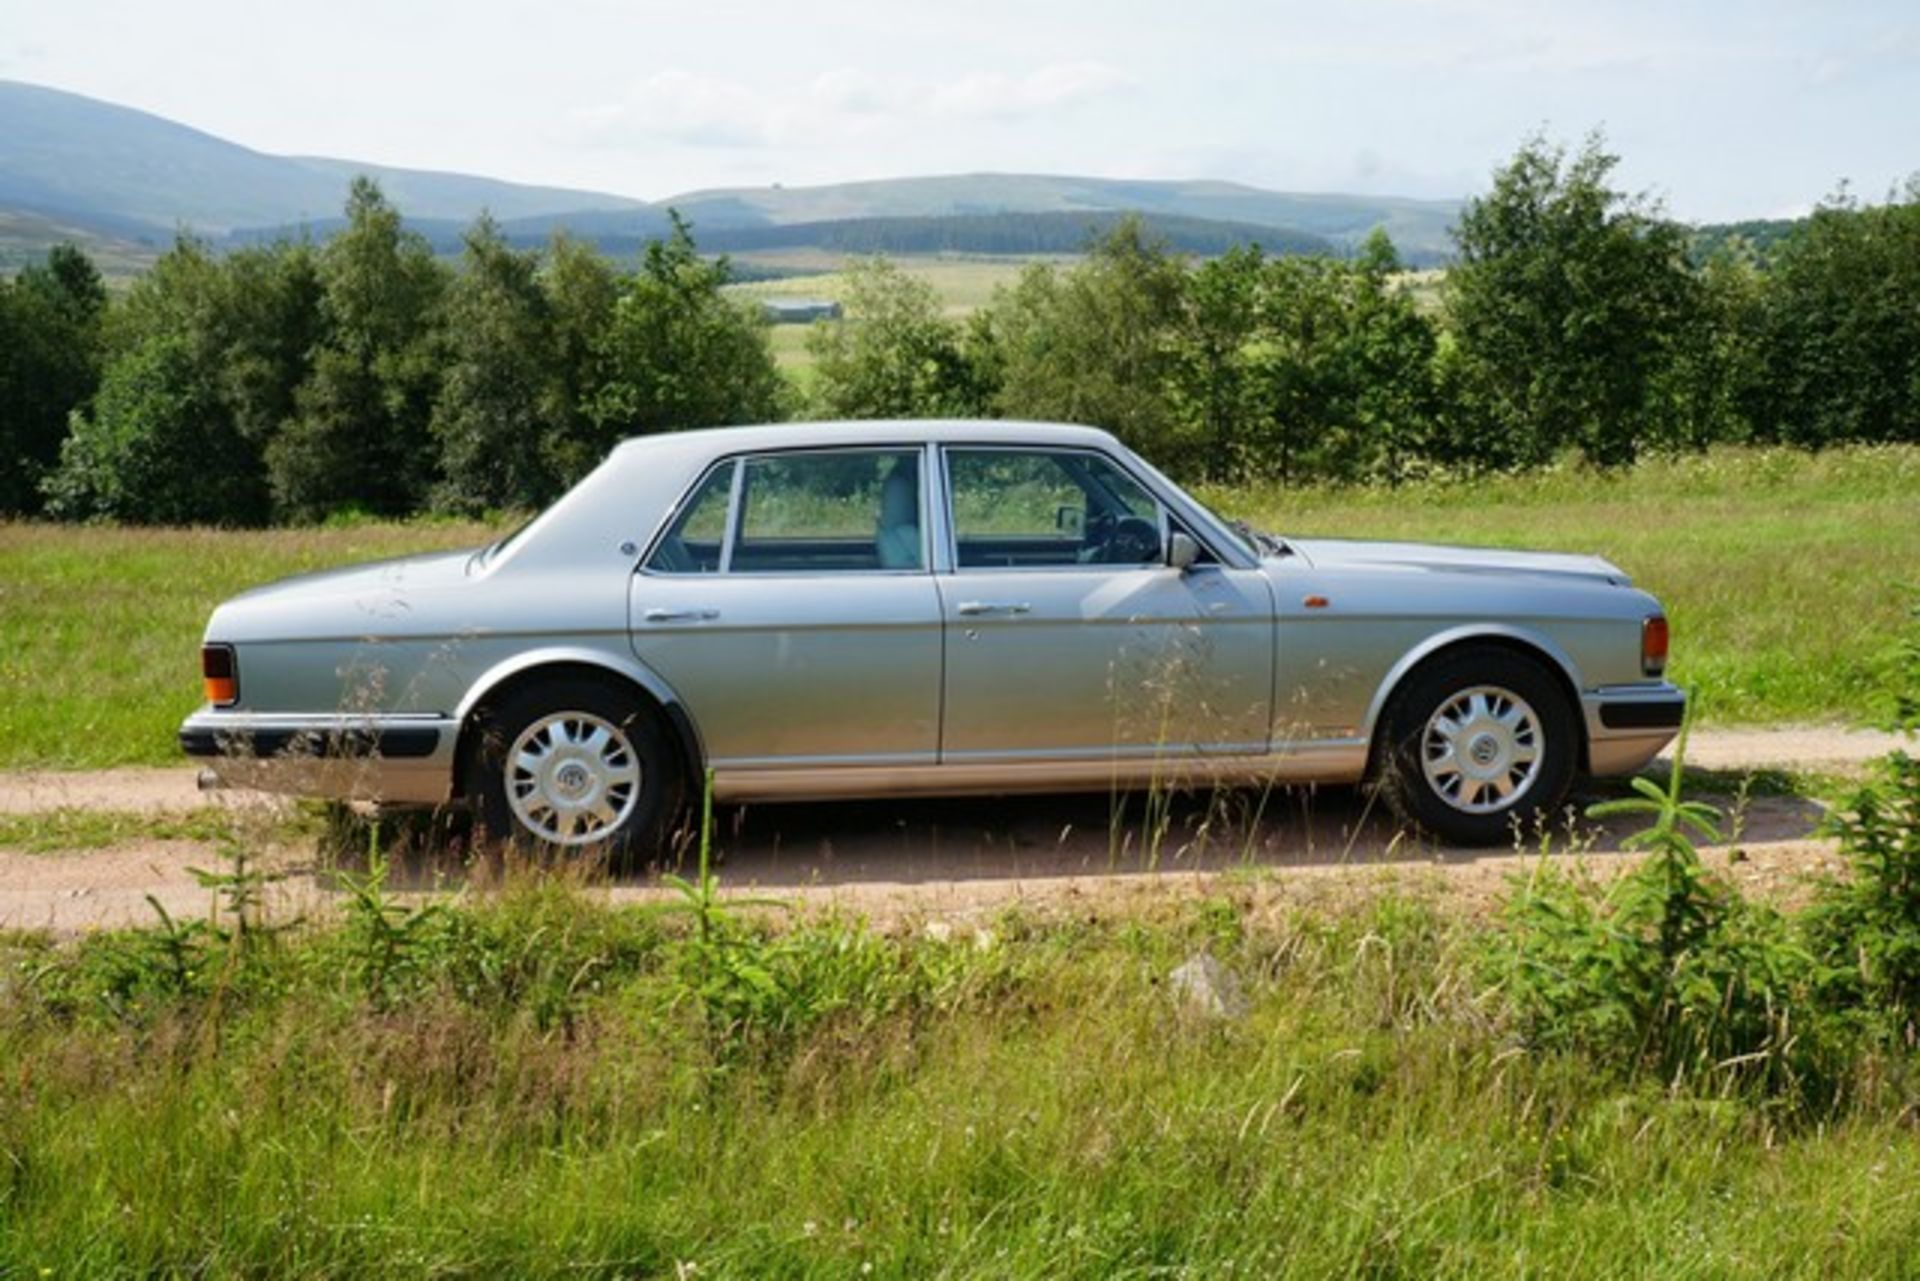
[1722,109]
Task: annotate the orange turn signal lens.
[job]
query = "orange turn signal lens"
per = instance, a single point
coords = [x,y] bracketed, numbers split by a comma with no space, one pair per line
[217,671]
[1653,645]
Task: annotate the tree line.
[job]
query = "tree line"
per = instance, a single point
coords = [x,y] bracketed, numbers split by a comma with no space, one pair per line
[291,381]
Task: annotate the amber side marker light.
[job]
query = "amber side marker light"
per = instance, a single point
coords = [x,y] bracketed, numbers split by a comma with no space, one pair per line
[217,672]
[1653,645]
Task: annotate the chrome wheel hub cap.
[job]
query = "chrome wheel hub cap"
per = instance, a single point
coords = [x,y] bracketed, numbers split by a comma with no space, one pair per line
[572,778]
[1481,750]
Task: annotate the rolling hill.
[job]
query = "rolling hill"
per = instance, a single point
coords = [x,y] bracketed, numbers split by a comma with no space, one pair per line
[126,172]
[1419,227]
[125,181]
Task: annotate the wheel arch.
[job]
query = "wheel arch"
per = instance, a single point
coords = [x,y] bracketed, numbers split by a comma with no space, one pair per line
[522,670]
[1497,636]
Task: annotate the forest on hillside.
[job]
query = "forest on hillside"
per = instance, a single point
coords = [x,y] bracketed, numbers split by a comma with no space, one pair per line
[294,380]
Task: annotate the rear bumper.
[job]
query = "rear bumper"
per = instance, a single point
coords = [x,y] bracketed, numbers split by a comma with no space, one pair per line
[401,758]
[1628,725]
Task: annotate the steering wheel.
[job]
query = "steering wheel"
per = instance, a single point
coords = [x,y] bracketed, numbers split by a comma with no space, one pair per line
[1131,541]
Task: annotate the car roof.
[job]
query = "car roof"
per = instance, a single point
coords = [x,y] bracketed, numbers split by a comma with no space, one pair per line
[878,432]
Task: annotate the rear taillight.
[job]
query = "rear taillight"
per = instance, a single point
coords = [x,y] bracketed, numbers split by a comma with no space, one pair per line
[219,674]
[1653,645]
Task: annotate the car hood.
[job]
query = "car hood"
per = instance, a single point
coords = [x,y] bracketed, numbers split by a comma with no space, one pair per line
[1334,553]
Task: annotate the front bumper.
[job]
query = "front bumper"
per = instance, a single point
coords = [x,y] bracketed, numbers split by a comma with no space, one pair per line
[1628,725]
[385,757]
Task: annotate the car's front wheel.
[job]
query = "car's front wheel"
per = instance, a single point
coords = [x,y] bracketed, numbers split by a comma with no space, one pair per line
[576,765]
[1475,741]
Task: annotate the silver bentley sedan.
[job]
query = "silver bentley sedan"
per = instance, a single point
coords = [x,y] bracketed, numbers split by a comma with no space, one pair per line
[911,608]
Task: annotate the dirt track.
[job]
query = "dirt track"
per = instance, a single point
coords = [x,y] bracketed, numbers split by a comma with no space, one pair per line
[950,859]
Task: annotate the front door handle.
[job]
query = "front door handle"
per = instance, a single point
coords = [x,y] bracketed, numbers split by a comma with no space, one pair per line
[978,608]
[681,615]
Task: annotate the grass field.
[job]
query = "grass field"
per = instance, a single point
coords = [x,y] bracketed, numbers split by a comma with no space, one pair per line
[100,627]
[964,284]
[523,1084]
[1785,575]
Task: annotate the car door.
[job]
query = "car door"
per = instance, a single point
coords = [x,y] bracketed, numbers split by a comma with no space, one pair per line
[790,605]
[1068,635]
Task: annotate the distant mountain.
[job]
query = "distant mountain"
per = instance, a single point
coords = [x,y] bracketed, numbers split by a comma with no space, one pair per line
[122,172]
[126,180]
[996,234]
[1418,227]
[1008,234]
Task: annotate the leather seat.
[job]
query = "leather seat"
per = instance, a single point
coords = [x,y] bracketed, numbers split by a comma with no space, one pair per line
[896,540]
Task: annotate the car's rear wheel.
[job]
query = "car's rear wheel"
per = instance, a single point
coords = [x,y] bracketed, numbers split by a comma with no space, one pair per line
[576,766]
[1476,741]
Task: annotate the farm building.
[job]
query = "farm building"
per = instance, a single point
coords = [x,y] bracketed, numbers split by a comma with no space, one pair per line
[801,311]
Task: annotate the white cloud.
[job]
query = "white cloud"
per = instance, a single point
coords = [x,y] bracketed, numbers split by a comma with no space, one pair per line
[1057,84]
[684,107]
[836,106]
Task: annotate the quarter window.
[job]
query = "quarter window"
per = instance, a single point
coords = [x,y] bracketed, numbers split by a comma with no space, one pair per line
[1025,509]
[698,538]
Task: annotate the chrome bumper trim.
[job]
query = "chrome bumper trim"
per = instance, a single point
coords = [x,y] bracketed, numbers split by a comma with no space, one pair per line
[1629,725]
[402,758]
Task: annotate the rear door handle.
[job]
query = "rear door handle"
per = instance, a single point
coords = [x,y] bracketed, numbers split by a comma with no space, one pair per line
[978,608]
[680,615]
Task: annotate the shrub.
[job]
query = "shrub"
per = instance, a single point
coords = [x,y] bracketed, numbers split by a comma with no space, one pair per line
[1865,926]
[1667,971]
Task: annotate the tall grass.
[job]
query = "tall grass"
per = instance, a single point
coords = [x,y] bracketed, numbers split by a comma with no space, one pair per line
[543,1099]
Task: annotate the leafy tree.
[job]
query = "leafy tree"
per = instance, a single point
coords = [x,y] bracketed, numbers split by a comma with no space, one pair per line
[1842,326]
[1095,344]
[50,337]
[158,446]
[360,433]
[1340,368]
[679,353]
[491,416]
[1564,304]
[224,340]
[582,291]
[893,355]
[270,320]
[1707,392]
[1214,362]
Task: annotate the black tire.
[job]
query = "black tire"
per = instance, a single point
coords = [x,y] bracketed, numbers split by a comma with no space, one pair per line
[642,834]
[1400,761]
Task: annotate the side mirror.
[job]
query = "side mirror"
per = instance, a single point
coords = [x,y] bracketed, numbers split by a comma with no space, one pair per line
[1182,551]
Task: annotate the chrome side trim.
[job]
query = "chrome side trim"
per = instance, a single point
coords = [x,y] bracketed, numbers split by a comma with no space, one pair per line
[1333,761]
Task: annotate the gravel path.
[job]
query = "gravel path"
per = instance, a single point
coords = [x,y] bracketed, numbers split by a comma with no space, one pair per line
[951,859]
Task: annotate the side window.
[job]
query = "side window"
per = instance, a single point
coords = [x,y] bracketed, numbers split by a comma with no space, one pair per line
[1015,509]
[830,511]
[698,537]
